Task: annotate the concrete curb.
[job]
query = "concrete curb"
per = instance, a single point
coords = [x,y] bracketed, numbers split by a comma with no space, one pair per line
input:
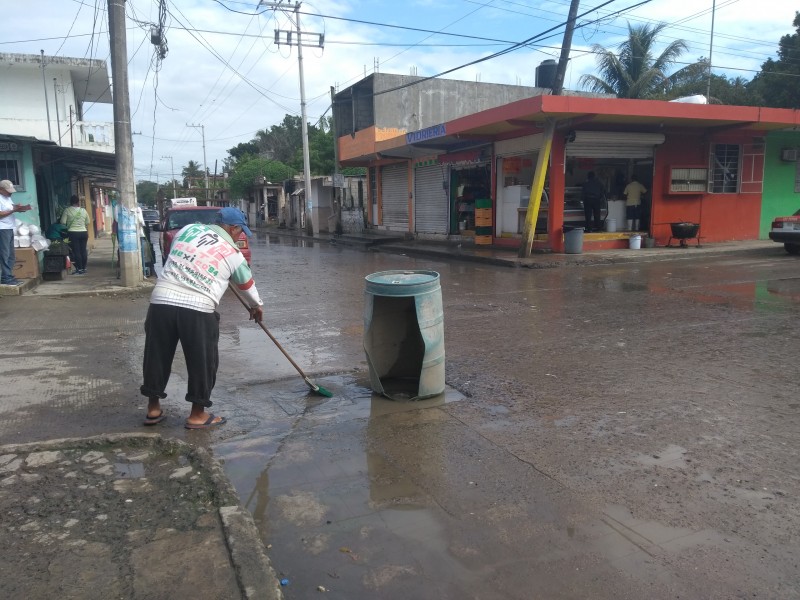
[253,570]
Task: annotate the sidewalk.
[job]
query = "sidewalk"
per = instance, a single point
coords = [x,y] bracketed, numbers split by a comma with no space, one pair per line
[467,251]
[125,516]
[100,278]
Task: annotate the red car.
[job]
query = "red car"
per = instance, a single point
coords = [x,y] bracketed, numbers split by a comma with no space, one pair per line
[179,217]
[786,231]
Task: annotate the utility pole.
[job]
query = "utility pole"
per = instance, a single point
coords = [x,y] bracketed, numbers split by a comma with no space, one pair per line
[130,256]
[205,165]
[304,124]
[537,186]
[711,50]
[172,170]
[46,101]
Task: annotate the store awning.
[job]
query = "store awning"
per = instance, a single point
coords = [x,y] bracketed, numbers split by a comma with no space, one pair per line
[85,163]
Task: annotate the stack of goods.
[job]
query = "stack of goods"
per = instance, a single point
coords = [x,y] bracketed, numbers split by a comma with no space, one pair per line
[483,221]
[28,236]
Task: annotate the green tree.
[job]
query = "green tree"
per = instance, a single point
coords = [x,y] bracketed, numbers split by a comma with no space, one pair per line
[320,148]
[283,142]
[192,169]
[633,71]
[239,152]
[778,82]
[146,192]
[693,80]
[248,171]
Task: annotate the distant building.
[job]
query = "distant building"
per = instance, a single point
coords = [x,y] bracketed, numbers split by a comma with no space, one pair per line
[47,148]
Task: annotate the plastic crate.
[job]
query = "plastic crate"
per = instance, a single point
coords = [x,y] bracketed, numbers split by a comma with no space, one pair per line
[483,203]
[483,221]
[483,240]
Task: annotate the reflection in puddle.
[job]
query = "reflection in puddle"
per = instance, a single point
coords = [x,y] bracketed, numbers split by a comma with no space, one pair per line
[325,468]
[129,470]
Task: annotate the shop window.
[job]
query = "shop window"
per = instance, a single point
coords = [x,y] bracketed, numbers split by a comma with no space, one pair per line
[724,169]
[11,164]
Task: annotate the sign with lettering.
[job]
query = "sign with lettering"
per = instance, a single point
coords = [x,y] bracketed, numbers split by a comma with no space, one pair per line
[426,134]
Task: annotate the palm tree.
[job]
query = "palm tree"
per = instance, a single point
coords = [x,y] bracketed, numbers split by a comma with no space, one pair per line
[191,172]
[633,72]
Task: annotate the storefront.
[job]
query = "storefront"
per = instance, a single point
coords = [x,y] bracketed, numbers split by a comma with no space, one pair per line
[471,198]
[699,163]
[394,196]
[515,163]
[614,157]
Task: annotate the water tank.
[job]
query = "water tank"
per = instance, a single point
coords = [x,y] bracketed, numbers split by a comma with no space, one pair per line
[546,74]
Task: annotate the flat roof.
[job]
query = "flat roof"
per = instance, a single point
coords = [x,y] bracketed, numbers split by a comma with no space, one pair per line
[527,116]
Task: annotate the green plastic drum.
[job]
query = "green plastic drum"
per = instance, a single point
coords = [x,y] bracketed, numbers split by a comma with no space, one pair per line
[404,334]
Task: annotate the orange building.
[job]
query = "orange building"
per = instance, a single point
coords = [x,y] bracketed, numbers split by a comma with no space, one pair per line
[700,163]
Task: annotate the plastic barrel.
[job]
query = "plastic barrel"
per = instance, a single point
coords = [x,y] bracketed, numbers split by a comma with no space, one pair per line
[635,242]
[573,240]
[404,334]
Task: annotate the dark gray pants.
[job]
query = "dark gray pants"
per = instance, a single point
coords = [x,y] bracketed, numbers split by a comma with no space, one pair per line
[198,333]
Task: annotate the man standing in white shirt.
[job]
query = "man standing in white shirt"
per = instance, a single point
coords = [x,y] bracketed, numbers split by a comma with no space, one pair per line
[7,254]
[203,259]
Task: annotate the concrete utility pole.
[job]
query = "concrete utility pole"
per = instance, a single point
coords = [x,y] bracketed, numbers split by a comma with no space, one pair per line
[46,101]
[537,186]
[205,164]
[711,51]
[304,124]
[172,170]
[130,256]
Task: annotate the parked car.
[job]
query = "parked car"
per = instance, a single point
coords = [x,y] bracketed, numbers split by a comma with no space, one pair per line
[151,218]
[786,231]
[179,217]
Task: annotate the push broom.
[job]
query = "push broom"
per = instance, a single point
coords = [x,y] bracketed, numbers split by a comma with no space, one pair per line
[317,389]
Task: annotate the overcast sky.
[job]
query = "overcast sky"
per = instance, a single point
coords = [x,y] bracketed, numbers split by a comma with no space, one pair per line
[224,70]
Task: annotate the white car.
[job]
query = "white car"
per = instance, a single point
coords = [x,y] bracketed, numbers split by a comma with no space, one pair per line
[786,231]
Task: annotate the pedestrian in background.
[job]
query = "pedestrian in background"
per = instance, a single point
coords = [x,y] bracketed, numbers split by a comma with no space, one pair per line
[76,220]
[7,255]
[633,202]
[183,305]
[594,195]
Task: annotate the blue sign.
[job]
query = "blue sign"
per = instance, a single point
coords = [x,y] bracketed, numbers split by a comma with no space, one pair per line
[426,134]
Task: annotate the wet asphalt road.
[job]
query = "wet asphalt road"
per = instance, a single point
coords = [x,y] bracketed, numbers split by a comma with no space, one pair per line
[615,431]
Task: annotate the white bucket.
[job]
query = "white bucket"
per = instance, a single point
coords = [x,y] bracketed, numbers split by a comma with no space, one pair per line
[611,225]
[635,242]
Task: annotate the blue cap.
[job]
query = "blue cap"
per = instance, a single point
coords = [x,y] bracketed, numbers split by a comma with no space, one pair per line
[233,216]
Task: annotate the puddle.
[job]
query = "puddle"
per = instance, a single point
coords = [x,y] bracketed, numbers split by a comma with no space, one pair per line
[134,470]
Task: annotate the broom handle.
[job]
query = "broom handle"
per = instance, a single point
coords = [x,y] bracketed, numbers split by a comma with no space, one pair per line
[272,337]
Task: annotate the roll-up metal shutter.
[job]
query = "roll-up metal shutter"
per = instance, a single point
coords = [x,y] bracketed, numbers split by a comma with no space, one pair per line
[521,145]
[431,202]
[613,144]
[394,193]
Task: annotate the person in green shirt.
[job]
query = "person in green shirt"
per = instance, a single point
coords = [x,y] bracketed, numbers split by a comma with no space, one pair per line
[76,220]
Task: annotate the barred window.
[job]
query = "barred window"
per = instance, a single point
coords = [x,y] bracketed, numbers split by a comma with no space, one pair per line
[11,164]
[724,169]
[797,177]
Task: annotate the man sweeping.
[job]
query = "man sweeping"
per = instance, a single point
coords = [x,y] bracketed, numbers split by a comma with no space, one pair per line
[203,259]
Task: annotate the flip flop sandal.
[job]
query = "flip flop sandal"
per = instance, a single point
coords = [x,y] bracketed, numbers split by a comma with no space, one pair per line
[155,420]
[208,424]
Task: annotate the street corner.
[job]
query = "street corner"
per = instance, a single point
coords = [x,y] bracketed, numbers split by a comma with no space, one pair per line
[125,516]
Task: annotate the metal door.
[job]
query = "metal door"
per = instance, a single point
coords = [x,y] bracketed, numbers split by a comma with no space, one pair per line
[431,200]
[394,193]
